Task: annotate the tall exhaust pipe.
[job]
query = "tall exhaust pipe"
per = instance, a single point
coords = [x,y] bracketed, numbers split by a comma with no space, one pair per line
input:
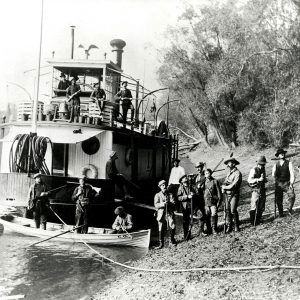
[72,41]
[117,48]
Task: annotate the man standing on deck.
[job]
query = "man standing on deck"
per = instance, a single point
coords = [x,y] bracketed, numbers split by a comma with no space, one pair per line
[38,201]
[82,195]
[176,173]
[123,221]
[164,204]
[257,181]
[231,189]
[283,172]
[125,96]
[72,93]
[98,96]
[63,83]
[117,178]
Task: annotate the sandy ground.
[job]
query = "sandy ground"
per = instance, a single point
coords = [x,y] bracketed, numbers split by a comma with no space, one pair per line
[275,242]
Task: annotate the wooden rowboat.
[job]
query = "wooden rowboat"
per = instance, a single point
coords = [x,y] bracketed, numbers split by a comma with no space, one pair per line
[96,236]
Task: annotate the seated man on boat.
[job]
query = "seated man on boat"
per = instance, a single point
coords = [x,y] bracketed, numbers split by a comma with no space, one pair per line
[72,93]
[38,201]
[124,97]
[123,221]
[98,96]
[63,83]
[117,178]
[82,195]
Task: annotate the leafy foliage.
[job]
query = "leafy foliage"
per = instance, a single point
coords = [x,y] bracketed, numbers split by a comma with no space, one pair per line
[235,69]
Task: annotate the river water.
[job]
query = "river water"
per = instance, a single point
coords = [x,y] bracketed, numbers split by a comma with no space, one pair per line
[54,270]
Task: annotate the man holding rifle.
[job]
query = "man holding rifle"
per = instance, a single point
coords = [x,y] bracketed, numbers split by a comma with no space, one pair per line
[72,93]
[231,190]
[283,172]
[257,181]
[165,205]
[185,196]
[124,97]
[82,195]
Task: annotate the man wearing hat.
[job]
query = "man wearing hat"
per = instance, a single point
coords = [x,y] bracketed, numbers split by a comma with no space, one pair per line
[176,173]
[124,97]
[72,94]
[164,204]
[283,172]
[199,203]
[123,221]
[83,195]
[98,96]
[231,189]
[63,83]
[185,196]
[38,201]
[257,181]
[117,178]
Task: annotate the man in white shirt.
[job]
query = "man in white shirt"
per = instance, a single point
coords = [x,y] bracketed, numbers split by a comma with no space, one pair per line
[176,173]
[283,172]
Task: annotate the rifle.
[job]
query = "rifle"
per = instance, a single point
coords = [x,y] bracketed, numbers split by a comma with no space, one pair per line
[225,214]
[73,95]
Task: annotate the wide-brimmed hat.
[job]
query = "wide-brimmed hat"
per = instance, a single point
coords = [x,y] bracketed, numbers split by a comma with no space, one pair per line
[119,210]
[200,164]
[176,159]
[161,182]
[74,78]
[37,175]
[280,151]
[62,75]
[262,160]
[182,177]
[232,159]
[124,82]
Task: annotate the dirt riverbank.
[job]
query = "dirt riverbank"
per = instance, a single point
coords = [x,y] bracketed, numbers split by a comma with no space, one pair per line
[275,242]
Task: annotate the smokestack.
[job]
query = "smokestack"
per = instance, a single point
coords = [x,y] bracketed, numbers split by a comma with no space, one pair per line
[72,41]
[118,46]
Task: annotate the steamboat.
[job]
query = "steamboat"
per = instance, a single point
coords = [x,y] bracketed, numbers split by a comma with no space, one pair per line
[63,149]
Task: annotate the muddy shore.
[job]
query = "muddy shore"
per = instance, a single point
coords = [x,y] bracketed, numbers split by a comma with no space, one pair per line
[273,243]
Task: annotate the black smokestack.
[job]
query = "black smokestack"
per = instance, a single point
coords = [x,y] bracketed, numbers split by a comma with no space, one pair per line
[72,41]
[118,46]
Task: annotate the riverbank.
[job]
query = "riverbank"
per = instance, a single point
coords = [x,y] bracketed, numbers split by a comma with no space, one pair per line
[273,243]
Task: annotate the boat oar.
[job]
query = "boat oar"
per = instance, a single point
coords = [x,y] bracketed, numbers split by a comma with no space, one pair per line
[52,237]
[57,215]
[124,229]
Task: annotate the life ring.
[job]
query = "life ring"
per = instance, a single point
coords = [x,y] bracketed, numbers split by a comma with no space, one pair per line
[93,170]
[128,156]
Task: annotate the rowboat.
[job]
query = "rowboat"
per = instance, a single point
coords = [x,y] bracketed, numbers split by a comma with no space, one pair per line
[95,235]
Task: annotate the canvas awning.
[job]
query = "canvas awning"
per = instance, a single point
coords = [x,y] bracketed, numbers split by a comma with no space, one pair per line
[59,135]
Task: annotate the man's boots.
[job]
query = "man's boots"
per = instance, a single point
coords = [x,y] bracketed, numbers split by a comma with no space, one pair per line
[236,222]
[214,222]
[228,223]
[173,241]
[208,225]
[161,240]
[252,217]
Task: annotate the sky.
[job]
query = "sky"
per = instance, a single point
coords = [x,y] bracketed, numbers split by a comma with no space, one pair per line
[141,23]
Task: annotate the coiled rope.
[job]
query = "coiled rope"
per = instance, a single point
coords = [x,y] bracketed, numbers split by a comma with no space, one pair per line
[25,145]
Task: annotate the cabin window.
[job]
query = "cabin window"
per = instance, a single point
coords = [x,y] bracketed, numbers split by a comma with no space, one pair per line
[59,159]
[90,146]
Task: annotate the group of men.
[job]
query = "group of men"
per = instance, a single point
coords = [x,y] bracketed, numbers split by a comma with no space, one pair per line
[98,95]
[39,205]
[202,195]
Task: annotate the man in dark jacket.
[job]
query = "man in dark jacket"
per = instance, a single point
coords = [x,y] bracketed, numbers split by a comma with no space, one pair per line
[38,201]
[63,83]
[98,96]
[231,189]
[124,97]
[83,195]
[283,172]
[212,200]
[257,181]
[185,196]
[72,93]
